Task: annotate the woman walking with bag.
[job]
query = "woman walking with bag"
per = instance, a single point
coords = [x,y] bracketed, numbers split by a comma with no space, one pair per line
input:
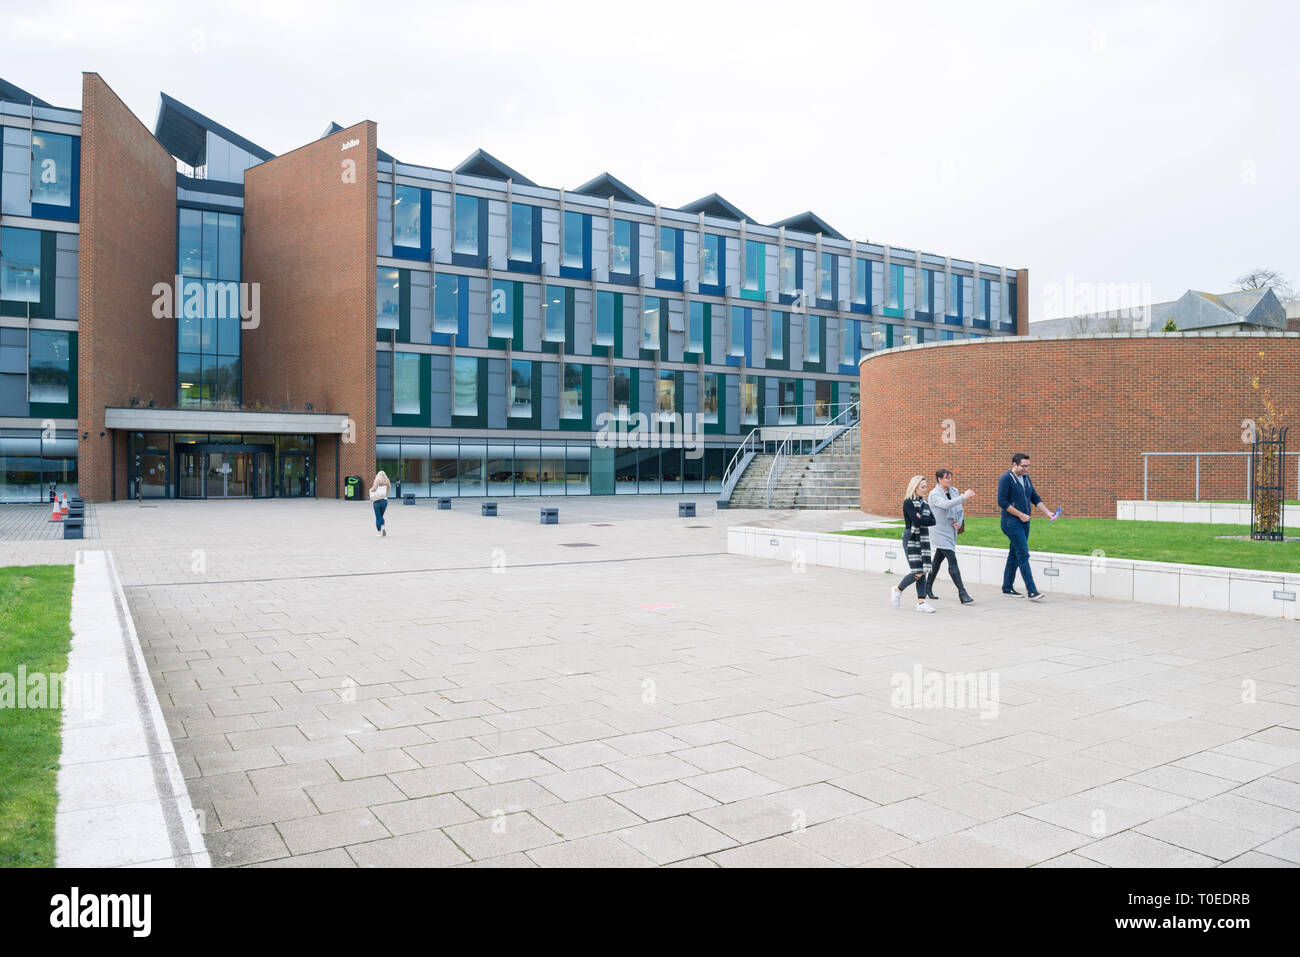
[951,518]
[916,542]
[379,498]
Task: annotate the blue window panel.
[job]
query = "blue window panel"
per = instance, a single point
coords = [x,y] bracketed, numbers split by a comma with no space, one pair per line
[56,176]
[850,340]
[925,307]
[956,304]
[469,231]
[797,265]
[862,303]
[670,259]
[828,281]
[625,252]
[577,246]
[713,265]
[1012,309]
[450,305]
[411,223]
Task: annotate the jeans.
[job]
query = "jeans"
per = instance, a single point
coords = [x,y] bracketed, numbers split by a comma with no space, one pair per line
[1018,557]
[381,506]
[939,555]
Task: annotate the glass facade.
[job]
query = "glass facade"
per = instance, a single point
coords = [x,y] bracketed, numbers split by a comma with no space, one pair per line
[620,249]
[575,240]
[776,336]
[670,243]
[650,323]
[553,306]
[465,239]
[711,259]
[30,459]
[20,265]
[210,311]
[571,394]
[52,170]
[521,232]
[755,254]
[503,299]
[407,224]
[521,389]
[465,386]
[695,328]
[604,319]
[388,298]
[50,366]
[789,273]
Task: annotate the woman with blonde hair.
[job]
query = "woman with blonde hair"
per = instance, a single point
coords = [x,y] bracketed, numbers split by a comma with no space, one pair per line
[918,519]
[379,498]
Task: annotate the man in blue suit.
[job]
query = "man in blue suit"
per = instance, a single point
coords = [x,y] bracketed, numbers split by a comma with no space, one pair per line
[1016,497]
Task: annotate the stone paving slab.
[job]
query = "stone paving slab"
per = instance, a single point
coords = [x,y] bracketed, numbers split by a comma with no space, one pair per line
[469,691]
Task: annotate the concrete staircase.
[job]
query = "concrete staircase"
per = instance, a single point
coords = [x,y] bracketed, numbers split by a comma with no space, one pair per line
[831,479]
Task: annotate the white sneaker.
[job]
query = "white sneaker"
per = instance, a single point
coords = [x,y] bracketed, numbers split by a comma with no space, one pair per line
[895,596]
[379,534]
[925,606]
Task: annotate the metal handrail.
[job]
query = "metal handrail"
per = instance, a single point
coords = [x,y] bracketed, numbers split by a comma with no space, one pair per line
[1146,463]
[782,451]
[734,468]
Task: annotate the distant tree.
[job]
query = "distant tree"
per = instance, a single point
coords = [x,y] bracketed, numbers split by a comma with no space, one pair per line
[1170,326]
[1267,279]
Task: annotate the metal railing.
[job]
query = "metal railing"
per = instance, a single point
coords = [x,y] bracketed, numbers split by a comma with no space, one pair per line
[850,415]
[782,452]
[748,449]
[789,413]
[1197,456]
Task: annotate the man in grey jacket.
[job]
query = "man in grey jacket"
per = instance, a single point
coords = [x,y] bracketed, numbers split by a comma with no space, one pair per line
[949,516]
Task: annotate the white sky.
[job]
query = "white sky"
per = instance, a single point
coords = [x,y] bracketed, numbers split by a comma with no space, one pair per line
[1150,143]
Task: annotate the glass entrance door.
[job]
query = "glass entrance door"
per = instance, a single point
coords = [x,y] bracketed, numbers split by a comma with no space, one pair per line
[229,475]
[151,474]
[296,475]
[191,465]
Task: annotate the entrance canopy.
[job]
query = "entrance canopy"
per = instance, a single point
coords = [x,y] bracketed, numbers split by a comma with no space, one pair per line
[206,420]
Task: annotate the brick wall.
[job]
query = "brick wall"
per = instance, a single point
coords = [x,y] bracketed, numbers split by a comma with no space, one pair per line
[128,243]
[309,241]
[1082,408]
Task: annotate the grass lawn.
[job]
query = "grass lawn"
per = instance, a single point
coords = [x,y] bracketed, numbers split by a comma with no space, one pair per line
[35,609]
[1186,542]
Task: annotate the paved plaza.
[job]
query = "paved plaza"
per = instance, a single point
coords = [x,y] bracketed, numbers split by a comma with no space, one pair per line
[617,690]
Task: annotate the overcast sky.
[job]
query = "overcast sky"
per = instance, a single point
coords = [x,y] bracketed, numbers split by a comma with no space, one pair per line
[1153,144]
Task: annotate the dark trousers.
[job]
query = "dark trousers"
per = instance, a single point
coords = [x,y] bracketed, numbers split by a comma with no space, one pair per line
[381,506]
[939,555]
[1018,557]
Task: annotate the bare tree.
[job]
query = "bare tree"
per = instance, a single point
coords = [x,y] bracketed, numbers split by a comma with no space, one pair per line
[1267,279]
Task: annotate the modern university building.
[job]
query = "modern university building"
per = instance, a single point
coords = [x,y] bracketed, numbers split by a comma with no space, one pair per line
[184,314]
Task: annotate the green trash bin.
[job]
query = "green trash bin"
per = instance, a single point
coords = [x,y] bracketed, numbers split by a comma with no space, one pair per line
[352,488]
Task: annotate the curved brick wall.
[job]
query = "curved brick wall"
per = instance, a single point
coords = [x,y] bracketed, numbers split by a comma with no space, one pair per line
[1083,408]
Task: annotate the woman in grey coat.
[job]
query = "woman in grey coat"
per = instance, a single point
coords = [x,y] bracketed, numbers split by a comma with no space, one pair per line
[949,516]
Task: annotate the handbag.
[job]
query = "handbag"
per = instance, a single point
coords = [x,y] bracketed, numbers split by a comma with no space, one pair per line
[962,527]
[378,493]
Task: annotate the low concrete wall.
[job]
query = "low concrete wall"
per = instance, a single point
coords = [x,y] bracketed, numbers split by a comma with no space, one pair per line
[1212,513]
[1158,583]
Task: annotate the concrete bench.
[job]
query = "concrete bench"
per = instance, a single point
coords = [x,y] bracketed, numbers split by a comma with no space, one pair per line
[550,516]
[488,509]
[685,509]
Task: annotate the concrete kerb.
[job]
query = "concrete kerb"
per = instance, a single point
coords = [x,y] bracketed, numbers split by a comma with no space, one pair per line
[1244,591]
[122,800]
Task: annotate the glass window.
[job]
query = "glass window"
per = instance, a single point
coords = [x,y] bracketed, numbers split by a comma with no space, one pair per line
[847,335]
[621,389]
[189,374]
[789,272]
[20,265]
[750,387]
[604,318]
[189,254]
[211,245]
[826,277]
[789,411]
[553,304]
[446,303]
[503,300]
[521,389]
[709,407]
[51,169]
[695,332]
[666,400]
[620,260]
[406,383]
[927,291]
[982,305]
[895,286]
[711,259]
[670,240]
[650,323]
[48,366]
[776,336]
[406,217]
[228,246]
[571,397]
[814,338]
[736,335]
[862,294]
[755,253]
[466,239]
[388,298]
[822,400]
[466,386]
[575,240]
[956,296]
[521,232]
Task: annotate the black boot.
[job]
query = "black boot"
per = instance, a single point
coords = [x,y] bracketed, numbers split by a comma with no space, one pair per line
[929,586]
[964,595]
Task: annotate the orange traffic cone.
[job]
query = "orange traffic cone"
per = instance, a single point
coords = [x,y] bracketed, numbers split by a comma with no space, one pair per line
[64,507]
[57,515]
